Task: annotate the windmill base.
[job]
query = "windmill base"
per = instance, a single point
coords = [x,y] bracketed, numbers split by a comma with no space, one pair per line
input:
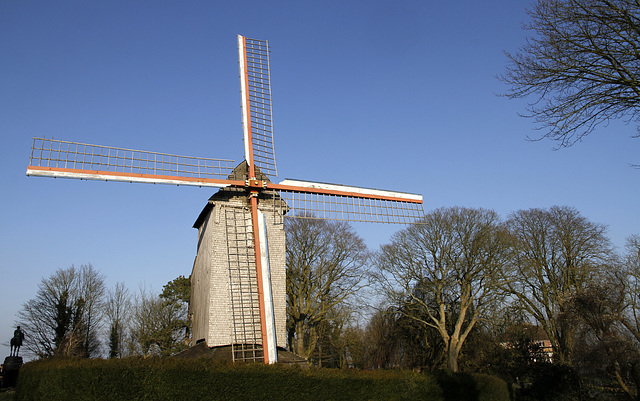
[224,289]
[224,353]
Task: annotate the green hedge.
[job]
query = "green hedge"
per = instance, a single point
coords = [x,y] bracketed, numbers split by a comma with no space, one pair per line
[472,387]
[204,379]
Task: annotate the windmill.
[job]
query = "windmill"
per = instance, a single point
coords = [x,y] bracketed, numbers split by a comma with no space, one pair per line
[300,199]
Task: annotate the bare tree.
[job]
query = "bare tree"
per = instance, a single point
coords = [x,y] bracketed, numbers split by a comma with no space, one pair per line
[582,66]
[633,251]
[555,253]
[117,310]
[444,272]
[381,341]
[325,267]
[604,315]
[65,317]
[393,340]
[628,315]
[92,291]
[604,348]
[629,280]
[156,325]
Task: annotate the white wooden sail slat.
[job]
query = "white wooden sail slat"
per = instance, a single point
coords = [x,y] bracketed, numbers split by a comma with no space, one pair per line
[348,189]
[107,176]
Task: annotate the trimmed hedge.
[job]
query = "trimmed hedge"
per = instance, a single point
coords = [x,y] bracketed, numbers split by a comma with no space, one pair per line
[204,379]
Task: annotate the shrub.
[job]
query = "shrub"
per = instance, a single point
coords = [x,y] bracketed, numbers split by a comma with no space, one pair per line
[472,387]
[550,382]
[170,379]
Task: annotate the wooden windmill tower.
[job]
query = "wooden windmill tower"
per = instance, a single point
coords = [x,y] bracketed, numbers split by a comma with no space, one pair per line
[250,223]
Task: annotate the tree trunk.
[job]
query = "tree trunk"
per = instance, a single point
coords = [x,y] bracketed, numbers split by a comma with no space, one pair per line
[452,355]
[299,339]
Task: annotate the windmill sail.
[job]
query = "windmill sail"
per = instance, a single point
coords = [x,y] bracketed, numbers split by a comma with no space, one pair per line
[316,200]
[255,84]
[65,159]
[350,208]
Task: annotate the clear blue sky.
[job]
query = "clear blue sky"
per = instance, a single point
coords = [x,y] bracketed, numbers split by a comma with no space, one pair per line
[394,95]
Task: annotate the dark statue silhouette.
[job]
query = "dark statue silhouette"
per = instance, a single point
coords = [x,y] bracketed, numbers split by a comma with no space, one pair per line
[12,363]
[16,341]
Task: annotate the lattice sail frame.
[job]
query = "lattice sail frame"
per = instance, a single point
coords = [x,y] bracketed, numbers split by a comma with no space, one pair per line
[55,158]
[257,121]
[346,203]
[345,208]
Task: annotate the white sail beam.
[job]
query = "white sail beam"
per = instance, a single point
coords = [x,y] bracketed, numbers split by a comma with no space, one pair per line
[125,177]
[346,190]
[244,92]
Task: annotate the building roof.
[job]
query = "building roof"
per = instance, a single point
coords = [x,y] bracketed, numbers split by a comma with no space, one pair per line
[240,173]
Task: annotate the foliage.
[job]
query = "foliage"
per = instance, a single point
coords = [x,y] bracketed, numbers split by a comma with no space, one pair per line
[170,379]
[177,290]
[157,325]
[65,316]
[582,66]
[471,387]
[177,293]
[556,264]
[550,382]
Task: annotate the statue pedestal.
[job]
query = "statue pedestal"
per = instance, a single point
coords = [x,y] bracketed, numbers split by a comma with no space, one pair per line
[10,370]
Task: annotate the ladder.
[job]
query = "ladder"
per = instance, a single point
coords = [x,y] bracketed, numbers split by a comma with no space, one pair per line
[243,285]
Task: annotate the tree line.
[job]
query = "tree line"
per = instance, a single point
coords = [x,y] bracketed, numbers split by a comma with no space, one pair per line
[462,290]
[74,315]
[466,290]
